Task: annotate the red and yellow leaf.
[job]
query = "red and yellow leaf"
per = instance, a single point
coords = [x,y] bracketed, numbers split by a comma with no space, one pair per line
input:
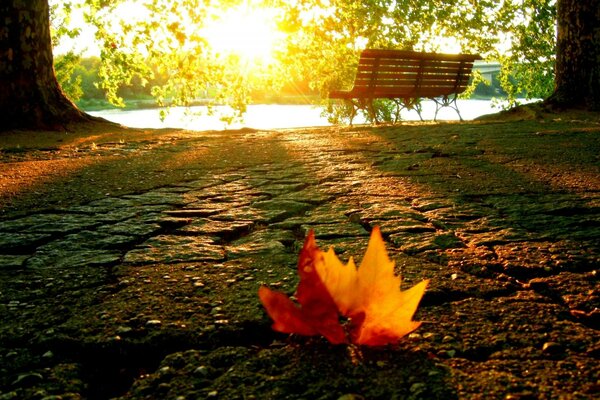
[379,312]
[317,313]
[288,317]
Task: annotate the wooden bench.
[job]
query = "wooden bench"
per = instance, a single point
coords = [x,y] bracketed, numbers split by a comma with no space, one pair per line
[406,77]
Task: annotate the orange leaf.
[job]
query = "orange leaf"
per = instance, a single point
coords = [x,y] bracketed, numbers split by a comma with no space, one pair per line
[379,312]
[317,313]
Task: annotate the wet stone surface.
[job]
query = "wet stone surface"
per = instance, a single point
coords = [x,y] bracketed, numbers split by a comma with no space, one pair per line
[153,294]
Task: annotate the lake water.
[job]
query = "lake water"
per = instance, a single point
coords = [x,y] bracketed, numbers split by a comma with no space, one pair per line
[272,116]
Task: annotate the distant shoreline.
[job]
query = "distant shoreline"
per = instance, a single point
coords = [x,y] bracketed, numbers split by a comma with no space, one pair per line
[271,116]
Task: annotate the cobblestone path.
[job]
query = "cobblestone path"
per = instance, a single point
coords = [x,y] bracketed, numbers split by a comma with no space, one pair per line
[153,294]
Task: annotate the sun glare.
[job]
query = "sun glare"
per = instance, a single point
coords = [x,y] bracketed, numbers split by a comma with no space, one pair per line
[248,32]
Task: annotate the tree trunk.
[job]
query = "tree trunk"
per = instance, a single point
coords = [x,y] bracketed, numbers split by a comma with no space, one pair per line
[577,73]
[30,96]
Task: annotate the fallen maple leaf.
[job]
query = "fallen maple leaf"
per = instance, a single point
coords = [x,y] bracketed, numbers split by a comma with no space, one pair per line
[378,311]
[318,313]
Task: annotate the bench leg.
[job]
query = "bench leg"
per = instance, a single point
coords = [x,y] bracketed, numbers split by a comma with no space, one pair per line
[361,104]
[351,107]
[418,109]
[407,104]
[371,110]
[399,108]
[444,101]
[366,105]
[353,111]
[437,108]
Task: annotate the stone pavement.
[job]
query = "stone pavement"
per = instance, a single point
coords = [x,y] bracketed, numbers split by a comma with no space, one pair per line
[153,294]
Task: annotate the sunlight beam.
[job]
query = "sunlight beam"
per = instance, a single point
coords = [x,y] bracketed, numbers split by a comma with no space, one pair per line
[248,32]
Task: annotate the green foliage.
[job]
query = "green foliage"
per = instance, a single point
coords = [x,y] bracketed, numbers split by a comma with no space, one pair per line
[65,66]
[528,68]
[164,50]
[88,70]
[60,17]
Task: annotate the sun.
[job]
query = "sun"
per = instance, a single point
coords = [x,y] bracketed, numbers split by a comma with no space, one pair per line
[245,31]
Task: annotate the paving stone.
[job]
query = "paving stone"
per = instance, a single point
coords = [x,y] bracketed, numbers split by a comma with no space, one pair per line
[290,223]
[257,181]
[326,214]
[279,173]
[154,197]
[50,223]
[201,184]
[230,176]
[168,223]
[238,199]
[239,186]
[12,261]
[106,207]
[549,203]
[126,213]
[228,193]
[56,258]
[265,235]
[241,214]
[107,204]
[581,231]
[447,283]
[88,240]
[175,248]
[278,189]
[272,249]
[310,196]
[495,237]
[330,231]
[413,243]
[208,210]
[391,226]
[456,217]
[277,210]
[264,241]
[384,210]
[579,292]
[133,227]
[222,202]
[224,229]
[115,214]
[15,242]
[423,205]
[173,189]
[345,248]
[527,260]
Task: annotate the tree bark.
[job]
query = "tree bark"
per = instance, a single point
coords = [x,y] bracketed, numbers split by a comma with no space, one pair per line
[577,71]
[30,96]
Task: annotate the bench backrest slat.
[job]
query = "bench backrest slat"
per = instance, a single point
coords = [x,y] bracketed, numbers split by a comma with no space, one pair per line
[432,80]
[391,73]
[414,55]
[426,68]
